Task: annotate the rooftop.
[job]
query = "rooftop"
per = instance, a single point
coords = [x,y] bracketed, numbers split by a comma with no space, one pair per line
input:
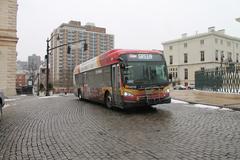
[88,27]
[211,31]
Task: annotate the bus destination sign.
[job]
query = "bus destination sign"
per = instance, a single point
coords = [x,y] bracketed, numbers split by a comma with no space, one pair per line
[144,57]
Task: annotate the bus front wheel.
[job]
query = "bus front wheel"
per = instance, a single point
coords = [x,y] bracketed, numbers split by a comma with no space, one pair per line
[79,95]
[108,100]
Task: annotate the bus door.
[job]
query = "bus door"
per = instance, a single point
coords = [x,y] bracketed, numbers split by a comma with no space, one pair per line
[116,84]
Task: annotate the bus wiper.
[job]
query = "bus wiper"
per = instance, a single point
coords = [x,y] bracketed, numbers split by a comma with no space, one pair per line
[139,81]
[162,83]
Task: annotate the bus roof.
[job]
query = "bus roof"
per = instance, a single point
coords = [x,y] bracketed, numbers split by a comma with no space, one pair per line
[108,58]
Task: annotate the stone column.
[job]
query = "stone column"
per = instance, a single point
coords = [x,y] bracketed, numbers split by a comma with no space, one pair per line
[8,42]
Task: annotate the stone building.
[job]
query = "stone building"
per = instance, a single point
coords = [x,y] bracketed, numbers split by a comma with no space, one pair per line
[189,54]
[8,41]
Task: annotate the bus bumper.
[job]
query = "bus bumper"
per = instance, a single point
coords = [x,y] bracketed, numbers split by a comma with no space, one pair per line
[145,102]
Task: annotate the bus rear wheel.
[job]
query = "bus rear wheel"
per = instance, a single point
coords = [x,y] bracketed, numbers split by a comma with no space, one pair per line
[1,106]
[108,100]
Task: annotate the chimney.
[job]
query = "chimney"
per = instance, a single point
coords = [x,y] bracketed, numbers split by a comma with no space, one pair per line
[211,29]
[184,35]
[75,23]
[222,31]
[90,24]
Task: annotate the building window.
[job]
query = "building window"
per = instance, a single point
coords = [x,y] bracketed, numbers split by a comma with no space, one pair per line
[229,56]
[216,55]
[202,56]
[185,58]
[236,45]
[202,42]
[222,55]
[185,45]
[185,73]
[170,47]
[237,57]
[221,41]
[202,68]
[216,40]
[229,44]
[171,59]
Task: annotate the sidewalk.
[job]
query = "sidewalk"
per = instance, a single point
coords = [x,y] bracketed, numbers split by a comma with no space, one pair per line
[225,100]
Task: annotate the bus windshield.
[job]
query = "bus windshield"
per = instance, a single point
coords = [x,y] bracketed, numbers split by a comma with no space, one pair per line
[145,73]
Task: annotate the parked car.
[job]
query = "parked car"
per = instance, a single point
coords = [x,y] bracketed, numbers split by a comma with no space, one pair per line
[2,102]
[179,87]
[191,86]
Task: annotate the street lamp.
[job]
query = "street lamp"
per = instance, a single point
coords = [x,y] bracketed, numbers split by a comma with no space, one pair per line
[50,49]
[47,58]
[38,84]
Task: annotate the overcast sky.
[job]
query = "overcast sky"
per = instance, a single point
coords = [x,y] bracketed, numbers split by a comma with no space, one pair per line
[136,24]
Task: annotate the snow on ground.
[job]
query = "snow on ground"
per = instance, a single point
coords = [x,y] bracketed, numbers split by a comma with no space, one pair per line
[200,105]
[6,105]
[10,100]
[55,96]
[226,109]
[178,101]
[205,106]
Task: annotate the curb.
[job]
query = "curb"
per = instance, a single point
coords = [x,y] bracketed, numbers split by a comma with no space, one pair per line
[223,106]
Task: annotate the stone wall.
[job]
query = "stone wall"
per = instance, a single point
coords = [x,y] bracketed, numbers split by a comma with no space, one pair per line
[8,41]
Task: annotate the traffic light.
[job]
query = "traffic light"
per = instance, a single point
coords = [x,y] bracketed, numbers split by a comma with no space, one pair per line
[85,46]
[68,50]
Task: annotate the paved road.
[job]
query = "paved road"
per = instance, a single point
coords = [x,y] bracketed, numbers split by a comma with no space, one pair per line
[65,128]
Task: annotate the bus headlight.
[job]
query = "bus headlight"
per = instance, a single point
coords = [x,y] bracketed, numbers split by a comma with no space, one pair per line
[168,90]
[127,94]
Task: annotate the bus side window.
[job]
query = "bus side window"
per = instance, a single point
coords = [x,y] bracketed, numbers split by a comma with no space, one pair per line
[79,80]
[107,76]
[85,78]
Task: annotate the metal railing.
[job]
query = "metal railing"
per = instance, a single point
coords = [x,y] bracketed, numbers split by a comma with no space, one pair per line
[223,80]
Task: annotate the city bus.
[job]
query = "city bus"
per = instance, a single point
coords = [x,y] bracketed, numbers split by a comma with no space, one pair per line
[123,78]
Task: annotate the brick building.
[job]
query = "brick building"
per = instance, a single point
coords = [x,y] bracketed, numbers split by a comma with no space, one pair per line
[62,63]
[21,80]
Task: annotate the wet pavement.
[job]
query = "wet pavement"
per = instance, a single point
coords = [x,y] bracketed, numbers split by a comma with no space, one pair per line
[65,128]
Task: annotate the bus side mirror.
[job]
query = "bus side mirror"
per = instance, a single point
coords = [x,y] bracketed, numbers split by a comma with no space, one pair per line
[122,65]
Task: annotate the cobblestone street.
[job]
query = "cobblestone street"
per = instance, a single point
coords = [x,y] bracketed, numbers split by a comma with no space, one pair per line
[65,128]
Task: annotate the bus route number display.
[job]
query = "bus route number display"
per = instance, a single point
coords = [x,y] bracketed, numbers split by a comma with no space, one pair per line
[145,56]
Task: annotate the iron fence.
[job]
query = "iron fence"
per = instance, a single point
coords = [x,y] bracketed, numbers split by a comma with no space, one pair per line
[222,80]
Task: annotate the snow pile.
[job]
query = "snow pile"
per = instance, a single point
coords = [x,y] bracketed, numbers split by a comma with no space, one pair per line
[178,101]
[55,96]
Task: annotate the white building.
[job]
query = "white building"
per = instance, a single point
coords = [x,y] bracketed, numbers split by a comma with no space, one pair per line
[202,51]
